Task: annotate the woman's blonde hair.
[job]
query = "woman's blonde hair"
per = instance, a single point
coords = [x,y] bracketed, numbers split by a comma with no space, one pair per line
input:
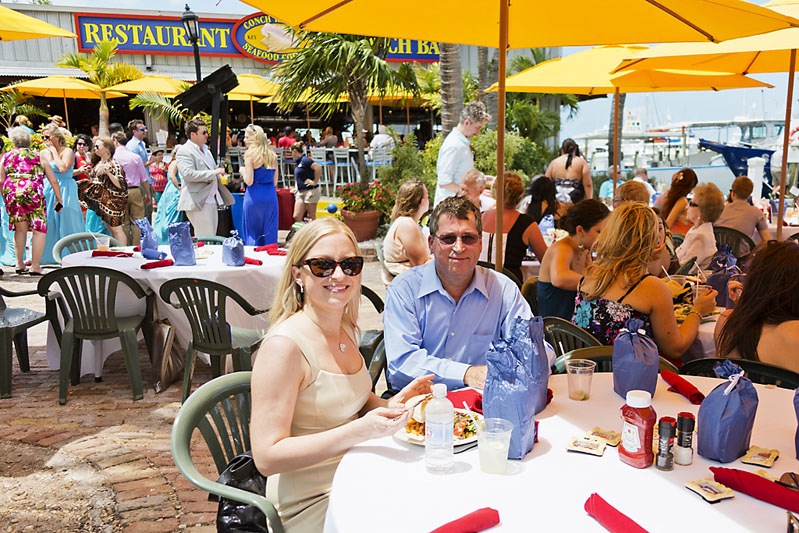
[54,131]
[409,198]
[624,247]
[259,149]
[289,300]
[514,189]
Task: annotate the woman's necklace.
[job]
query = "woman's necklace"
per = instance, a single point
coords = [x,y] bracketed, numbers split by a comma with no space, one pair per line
[341,346]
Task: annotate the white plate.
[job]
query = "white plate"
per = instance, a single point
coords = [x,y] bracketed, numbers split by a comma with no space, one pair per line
[404,436]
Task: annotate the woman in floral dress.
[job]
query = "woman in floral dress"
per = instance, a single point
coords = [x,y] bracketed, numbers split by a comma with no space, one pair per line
[22,182]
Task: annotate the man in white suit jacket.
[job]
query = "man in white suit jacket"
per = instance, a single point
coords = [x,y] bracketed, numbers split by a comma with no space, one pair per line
[202,191]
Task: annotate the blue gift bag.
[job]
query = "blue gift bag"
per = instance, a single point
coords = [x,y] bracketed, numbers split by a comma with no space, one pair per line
[635,360]
[796,409]
[727,415]
[148,239]
[516,382]
[180,244]
[723,265]
[233,250]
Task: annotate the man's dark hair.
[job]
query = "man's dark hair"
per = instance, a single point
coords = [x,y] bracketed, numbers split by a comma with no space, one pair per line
[115,127]
[287,130]
[134,125]
[193,126]
[457,207]
[119,136]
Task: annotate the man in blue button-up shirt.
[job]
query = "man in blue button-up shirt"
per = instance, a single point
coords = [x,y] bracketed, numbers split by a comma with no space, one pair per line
[441,317]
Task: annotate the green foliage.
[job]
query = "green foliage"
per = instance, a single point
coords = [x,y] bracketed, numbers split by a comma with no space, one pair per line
[407,163]
[485,152]
[428,77]
[12,103]
[471,87]
[100,67]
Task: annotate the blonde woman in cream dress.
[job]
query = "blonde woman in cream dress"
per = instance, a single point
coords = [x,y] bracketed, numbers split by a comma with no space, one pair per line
[311,392]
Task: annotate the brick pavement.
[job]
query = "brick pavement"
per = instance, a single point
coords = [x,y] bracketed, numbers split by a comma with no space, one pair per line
[126,442]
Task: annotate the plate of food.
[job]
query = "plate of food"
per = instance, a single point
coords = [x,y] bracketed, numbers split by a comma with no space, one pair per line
[464,431]
[681,312]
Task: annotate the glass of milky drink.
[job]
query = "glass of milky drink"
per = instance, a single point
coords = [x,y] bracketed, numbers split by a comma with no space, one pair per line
[493,443]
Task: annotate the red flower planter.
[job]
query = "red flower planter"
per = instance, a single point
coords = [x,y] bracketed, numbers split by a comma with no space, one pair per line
[363,223]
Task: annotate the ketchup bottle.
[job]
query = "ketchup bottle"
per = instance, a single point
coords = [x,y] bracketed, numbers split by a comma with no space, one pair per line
[639,419]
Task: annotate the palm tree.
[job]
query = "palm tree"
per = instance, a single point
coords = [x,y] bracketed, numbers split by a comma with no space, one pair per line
[328,65]
[451,85]
[615,147]
[102,72]
[428,78]
[12,103]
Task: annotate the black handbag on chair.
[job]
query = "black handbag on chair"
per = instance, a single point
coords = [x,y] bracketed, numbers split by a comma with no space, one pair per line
[234,516]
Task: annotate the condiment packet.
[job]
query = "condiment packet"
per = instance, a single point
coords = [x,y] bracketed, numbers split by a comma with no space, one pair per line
[611,438]
[763,473]
[589,445]
[710,490]
[760,456]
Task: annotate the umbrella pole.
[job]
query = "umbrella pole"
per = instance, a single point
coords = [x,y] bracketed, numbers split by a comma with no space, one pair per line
[500,178]
[786,134]
[252,115]
[380,107]
[616,143]
[66,111]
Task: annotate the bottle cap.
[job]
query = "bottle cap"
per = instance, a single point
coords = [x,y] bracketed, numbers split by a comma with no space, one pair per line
[639,399]
[685,422]
[666,427]
[439,390]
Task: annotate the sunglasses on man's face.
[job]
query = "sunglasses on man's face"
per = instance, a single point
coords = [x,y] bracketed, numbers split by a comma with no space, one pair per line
[324,268]
[468,239]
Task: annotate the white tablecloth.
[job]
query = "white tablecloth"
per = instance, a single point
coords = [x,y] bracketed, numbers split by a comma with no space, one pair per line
[382,485]
[787,231]
[255,283]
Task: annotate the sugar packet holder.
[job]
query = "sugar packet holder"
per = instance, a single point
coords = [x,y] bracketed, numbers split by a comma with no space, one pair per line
[710,490]
[760,456]
[589,445]
[611,438]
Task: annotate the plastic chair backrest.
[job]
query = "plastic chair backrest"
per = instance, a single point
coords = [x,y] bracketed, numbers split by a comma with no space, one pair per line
[216,239]
[373,297]
[530,293]
[564,336]
[78,242]
[757,371]
[205,305]
[685,269]
[318,155]
[603,356]
[741,243]
[381,258]
[677,239]
[341,156]
[90,295]
[221,410]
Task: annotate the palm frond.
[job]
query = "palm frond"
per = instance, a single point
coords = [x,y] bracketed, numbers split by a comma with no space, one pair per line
[159,105]
[30,110]
[119,73]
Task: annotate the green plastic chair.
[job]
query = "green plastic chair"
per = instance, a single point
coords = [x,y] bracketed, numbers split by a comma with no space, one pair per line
[87,299]
[214,239]
[220,409]
[78,242]
[565,336]
[370,338]
[603,357]
[381,258]
[204,303]
[758,372]
[530,293]
[378,364]
[794,237]
[511,275]
[741,243]
[14,325]
[677,239]
[685,269]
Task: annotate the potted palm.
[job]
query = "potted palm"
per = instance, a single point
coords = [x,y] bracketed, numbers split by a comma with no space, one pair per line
[363,205]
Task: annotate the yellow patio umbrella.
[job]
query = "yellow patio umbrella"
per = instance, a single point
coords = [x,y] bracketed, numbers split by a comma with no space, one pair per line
[505,25]
[15,26]
[61,87]
[152,84]
[251,85]
[589,72]
[770,52]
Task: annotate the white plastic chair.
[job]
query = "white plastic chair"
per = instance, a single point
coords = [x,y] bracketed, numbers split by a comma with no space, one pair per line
[341,160]
[319,155]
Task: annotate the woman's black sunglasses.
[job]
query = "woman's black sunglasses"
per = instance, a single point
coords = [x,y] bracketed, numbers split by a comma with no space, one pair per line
[323,268]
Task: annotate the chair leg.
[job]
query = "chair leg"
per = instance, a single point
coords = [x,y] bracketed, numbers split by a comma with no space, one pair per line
[21,345]
[67,340]
[5,364]
[217,365]
[77,350]
[131,350]
[188,372]
[52,313]
[242,359]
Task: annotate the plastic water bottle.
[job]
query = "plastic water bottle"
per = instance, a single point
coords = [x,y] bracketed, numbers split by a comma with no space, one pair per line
[439,422]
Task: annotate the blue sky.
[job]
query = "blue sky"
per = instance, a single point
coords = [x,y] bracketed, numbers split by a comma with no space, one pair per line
[652,108]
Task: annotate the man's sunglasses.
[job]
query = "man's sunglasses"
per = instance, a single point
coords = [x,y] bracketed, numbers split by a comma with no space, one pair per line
[467,239]
[324,268]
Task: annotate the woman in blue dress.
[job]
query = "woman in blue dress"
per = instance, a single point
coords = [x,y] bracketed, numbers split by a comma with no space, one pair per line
[260,211]
[62,160]
[167,212]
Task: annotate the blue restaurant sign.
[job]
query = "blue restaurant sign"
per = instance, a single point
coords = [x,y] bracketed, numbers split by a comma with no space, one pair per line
[256,36]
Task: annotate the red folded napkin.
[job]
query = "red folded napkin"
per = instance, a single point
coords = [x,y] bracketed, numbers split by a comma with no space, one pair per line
[471,523]
[137,248]
[683,386]
[200,244]
[473,399]
[251,261]
[107,253]
[610,517]
[757,487]
[550,394]
[270,249]
[157,264]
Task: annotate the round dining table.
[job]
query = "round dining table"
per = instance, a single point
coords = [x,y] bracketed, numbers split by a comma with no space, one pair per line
[256,283]
[382,484]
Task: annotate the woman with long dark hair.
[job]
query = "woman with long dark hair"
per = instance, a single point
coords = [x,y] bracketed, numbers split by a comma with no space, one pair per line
[543,201]
[673,206]
[571,174]
[765,322]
